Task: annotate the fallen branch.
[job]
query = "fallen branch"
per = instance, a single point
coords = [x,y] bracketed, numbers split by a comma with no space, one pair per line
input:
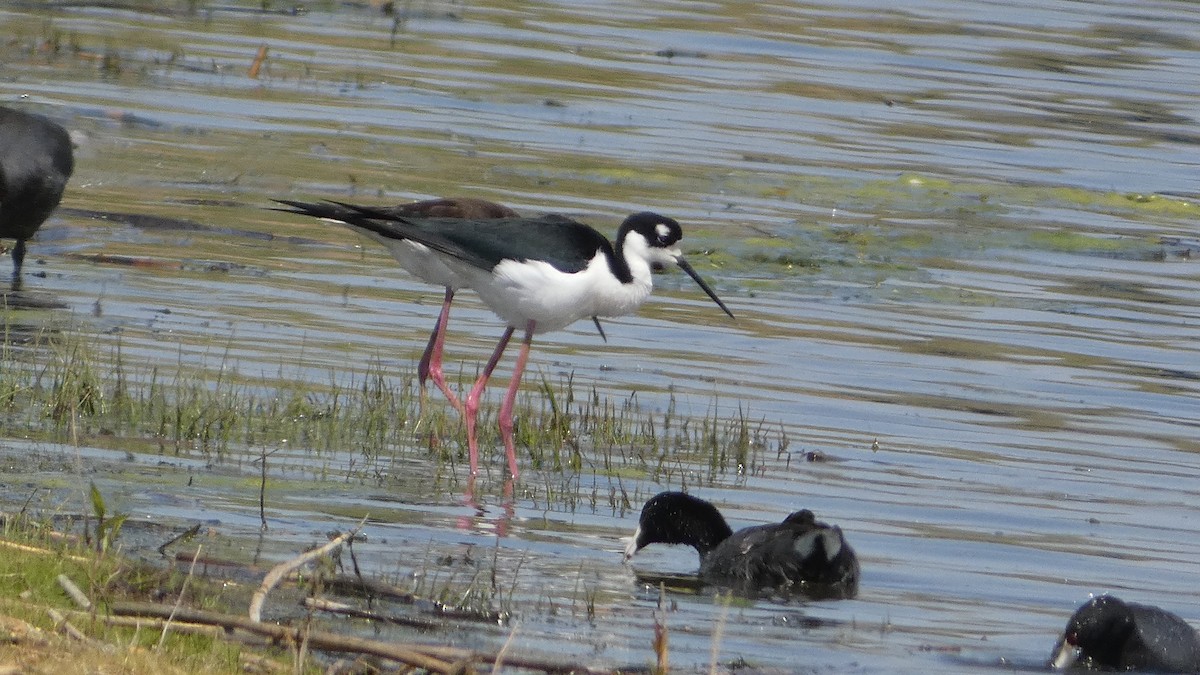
[317,639]
[370,588]
[61,623]
[150,623]
[323,605]
[72,590]
[281,570]
[434,658]
[40,551]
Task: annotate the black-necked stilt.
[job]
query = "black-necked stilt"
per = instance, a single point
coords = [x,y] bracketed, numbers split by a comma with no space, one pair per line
[799,555]
[540,274]
[35,162]
[419,261]
[1107,633]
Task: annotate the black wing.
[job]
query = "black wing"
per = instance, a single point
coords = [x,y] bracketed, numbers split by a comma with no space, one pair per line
[566,244]
[791,557]
[1170,644]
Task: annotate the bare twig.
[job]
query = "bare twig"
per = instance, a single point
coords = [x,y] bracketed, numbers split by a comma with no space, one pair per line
[498,665]
[179,600]
[186,534]
[256,65]
[281,570]
[662,661]
[262,484]
[371,588]
[719,630]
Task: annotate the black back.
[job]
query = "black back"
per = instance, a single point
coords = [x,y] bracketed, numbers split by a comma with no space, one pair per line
[566,244]
[799,555]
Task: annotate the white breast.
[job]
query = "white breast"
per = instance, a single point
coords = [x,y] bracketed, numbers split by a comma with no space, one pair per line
[519,292]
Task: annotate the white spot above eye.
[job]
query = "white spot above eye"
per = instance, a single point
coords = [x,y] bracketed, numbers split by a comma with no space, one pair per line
[662,231]
[831,542]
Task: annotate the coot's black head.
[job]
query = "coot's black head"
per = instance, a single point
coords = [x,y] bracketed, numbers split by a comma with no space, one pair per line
[1107,633]
[679,518]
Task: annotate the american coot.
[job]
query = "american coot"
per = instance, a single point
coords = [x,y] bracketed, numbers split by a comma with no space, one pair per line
[35,162]
[1109,634]
[540,274]
[799,555]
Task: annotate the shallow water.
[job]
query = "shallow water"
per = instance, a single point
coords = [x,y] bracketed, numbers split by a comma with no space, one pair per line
[959,239]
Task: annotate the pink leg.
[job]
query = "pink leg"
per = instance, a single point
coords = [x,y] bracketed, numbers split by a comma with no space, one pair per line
[431,361]
[506,423]
[471,406]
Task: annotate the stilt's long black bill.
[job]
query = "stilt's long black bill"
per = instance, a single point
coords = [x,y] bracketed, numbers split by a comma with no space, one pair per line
[683,265]
[596,320]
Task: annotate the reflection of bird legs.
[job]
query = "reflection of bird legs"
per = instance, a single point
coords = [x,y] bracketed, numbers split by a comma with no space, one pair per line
[507,506]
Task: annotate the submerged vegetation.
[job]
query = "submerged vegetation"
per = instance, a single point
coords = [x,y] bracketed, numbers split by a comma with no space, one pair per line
[62,385]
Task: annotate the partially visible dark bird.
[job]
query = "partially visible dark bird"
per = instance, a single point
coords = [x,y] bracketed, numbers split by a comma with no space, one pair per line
[1106,633]
[36,160]
[799,555]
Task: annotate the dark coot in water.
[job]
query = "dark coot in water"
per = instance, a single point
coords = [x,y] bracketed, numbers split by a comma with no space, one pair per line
[1109,634]
[799,555]
[35,162]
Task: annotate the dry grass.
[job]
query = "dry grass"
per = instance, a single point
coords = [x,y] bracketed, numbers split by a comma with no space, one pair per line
[43,631]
